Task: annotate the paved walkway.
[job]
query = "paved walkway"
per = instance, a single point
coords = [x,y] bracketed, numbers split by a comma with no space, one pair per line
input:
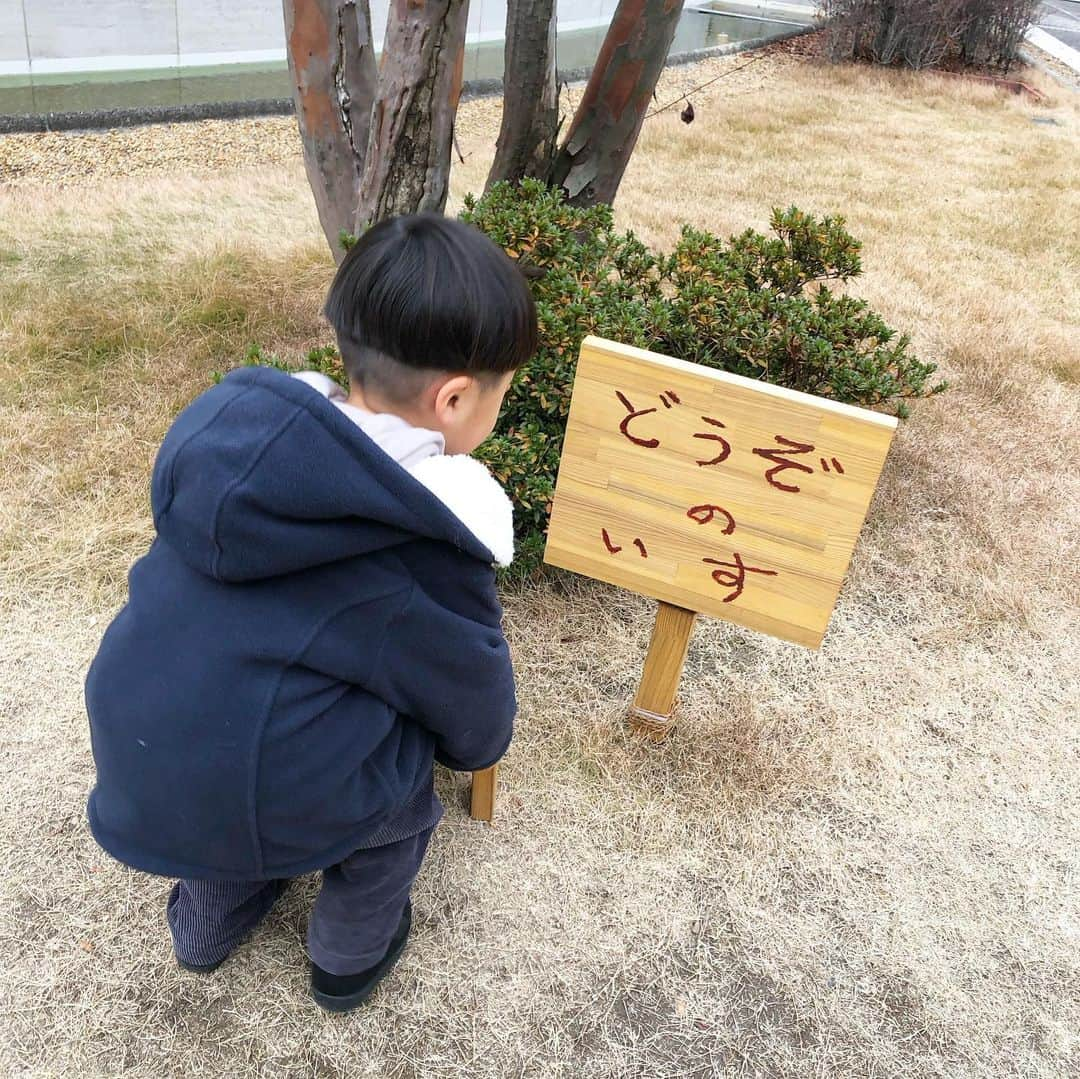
[1058,31]
[1061,19]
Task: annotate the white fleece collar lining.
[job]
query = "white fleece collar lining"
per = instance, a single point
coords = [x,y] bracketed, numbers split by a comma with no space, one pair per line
[465,486]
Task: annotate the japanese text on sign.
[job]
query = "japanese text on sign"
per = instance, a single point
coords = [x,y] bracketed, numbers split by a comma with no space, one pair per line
[713,492]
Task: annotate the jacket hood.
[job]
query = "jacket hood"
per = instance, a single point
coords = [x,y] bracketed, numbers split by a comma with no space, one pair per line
[262,476]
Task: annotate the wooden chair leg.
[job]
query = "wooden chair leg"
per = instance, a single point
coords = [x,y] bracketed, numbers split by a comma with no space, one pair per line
[482,800]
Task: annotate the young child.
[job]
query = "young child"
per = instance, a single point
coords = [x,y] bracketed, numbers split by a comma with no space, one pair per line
[316,621]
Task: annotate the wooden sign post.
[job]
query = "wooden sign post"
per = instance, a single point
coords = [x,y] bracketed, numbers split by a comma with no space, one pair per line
[654,705]
[714,494]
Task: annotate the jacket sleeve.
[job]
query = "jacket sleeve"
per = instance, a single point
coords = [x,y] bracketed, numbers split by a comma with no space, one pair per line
[450,673]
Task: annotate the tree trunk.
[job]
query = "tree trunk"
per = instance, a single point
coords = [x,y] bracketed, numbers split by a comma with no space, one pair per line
[605,128]
[332,62]
[407,165]
[530,119]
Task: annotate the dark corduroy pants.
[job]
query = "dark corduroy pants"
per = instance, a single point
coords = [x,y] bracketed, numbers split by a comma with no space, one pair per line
[356,913]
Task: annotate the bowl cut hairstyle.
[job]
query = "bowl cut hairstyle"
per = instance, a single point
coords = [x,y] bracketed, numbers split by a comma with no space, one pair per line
[423,293]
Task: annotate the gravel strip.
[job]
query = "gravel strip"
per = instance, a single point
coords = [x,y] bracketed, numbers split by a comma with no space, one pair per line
[73,157]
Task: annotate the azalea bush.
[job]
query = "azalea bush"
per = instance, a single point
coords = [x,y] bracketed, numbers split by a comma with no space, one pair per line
[767,307]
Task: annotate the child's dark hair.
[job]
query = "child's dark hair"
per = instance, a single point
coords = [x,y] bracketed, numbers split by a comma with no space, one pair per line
[425,293]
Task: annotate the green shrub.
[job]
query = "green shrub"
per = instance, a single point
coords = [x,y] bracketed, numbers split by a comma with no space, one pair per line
[754,305]
[759,307]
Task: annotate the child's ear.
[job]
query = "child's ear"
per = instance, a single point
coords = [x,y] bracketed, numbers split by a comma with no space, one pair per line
[449,395]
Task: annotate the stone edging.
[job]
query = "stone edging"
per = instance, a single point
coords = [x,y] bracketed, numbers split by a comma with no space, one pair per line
[151,114]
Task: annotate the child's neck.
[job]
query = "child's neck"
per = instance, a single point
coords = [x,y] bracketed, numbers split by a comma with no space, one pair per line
[369,402]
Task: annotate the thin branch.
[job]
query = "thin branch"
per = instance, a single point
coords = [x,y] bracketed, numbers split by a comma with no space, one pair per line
[679,100]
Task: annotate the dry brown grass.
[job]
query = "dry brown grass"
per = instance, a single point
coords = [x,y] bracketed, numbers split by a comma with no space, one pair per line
[857,862]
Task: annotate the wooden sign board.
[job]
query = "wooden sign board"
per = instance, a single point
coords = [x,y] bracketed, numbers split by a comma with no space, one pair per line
[713,493]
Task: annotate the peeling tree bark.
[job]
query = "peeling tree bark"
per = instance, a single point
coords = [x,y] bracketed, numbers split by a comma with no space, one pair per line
[591,162]
[530,119]
[378,143]
[332,63]
[407,164]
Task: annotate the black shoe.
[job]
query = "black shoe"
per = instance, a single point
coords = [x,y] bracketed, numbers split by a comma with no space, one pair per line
[200,968]
[343,992]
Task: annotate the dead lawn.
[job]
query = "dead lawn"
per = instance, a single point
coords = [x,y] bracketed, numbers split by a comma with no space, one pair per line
[857,862]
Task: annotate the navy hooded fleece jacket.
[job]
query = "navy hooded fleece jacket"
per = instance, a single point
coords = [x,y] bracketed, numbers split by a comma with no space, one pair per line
[309,628]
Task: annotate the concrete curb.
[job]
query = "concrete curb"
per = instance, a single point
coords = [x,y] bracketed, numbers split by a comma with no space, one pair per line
[1049,44]
[151,114]
[231,110]
[741,46]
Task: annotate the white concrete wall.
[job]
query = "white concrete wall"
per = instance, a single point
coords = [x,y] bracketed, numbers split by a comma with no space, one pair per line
[14,56]
[48,36]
